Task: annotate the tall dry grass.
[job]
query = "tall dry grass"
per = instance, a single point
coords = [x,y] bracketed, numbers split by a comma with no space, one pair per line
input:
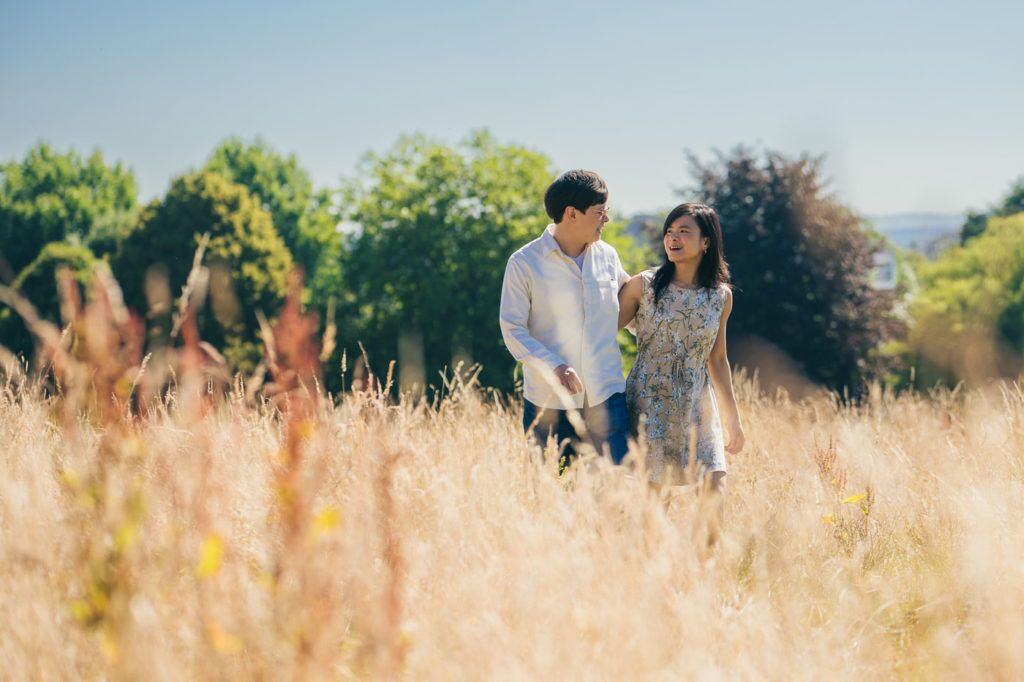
[214,531]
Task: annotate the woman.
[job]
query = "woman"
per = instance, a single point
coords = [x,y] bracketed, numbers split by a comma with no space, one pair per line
[680,311]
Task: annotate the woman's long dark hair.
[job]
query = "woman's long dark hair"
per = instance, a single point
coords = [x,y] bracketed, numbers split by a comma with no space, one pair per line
[713,270]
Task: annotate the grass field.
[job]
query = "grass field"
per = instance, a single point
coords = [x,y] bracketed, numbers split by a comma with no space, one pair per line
[228,538]
[161,521]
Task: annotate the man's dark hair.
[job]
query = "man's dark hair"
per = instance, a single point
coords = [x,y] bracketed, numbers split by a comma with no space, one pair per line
[580,189]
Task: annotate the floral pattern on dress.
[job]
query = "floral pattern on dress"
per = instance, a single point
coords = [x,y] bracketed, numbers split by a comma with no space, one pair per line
[669,388]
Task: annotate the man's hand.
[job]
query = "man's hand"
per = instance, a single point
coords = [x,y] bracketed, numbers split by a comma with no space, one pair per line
[569,379]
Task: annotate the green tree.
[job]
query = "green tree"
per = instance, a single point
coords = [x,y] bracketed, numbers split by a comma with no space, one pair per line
[38,283]
[249,263]
[636,254]
[973,226]
[305,218]
[51,196]
[434,226]
[1011,203]
[801,263]
[969,314]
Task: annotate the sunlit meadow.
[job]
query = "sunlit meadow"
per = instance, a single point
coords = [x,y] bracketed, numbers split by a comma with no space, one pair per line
[160,521]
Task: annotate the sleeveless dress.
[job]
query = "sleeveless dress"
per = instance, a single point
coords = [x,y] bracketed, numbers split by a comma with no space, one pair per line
[669,390]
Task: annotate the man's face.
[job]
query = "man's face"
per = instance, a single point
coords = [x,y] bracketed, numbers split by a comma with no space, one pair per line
[593,220]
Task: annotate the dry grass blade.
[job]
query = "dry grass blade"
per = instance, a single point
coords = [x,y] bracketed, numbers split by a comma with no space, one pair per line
[46,333]
[267,334]
[194,288]
[330,333]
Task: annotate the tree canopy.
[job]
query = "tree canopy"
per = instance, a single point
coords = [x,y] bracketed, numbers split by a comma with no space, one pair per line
[303,217]
[432,228]
[1011,203]
[969,314]
[801,262]
[38,283]
[249,263]
[50,196]
[407,255]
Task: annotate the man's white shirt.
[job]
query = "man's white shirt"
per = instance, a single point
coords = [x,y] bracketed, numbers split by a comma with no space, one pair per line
[554,313]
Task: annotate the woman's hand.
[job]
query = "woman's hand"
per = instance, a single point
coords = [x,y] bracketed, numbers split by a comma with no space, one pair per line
[734,438]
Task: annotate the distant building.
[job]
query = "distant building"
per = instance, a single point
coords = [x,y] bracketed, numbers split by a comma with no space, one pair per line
[639,226]
[883,274]
[939,244]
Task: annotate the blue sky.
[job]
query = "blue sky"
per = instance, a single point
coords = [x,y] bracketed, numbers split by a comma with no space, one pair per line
[918,105]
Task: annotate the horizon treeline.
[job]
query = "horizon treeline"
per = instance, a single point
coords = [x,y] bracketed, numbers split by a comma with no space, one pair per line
[406,258]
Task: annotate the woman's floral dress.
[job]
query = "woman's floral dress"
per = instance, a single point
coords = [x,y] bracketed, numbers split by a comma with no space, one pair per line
[669,390]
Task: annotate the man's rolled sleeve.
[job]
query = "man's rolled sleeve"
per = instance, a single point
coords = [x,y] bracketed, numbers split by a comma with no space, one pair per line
[514,317]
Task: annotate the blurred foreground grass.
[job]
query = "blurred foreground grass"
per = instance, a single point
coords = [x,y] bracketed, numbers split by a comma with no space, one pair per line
[160,521]
[432,544]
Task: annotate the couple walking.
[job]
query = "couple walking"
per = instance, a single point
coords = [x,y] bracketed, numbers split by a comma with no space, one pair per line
[565,296]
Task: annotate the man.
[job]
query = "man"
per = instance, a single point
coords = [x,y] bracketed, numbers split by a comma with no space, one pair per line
[559,315]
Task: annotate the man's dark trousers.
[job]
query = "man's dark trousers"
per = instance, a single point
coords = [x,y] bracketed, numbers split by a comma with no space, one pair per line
[607,427]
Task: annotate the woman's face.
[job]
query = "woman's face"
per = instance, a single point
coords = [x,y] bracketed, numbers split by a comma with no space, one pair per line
[683,240]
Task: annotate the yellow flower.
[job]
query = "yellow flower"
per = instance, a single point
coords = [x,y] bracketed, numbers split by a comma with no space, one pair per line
[211,556]
[327,520]
[108,645]
[223,641]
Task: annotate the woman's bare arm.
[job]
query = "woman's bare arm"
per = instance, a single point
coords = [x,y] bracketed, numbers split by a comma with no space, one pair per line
[629,299]
[721,379]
